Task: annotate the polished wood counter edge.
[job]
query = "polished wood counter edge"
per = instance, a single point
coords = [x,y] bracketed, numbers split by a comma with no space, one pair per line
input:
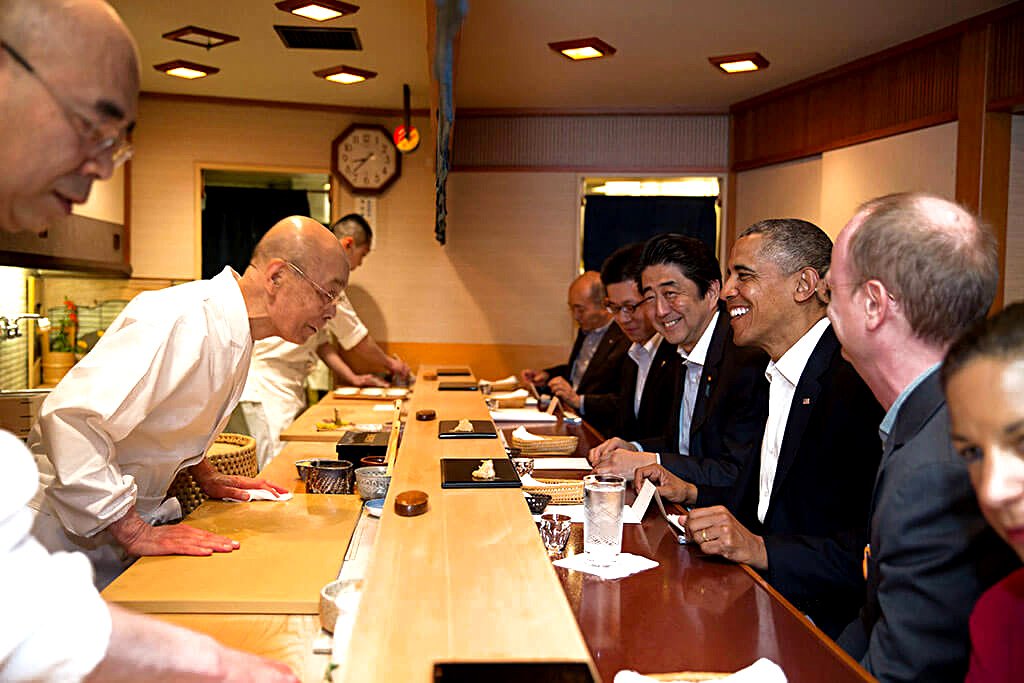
[468,580]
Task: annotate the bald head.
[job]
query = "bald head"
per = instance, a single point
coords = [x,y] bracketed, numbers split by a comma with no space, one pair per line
[74,84]
[305,243]
[586,301]
[933,256]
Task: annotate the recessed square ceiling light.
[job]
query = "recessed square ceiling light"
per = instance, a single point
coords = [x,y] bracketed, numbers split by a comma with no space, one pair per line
[203,37]
[585,48]
[733,64]
[345,74]
[317,10]
[183,69]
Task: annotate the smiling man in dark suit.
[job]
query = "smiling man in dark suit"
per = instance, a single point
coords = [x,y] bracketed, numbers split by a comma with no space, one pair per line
[798,511]
[642,404]
[911,273]
[721,397]
[595,364]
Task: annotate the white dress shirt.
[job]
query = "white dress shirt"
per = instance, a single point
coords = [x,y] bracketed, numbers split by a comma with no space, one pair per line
[693,364]
[643,356]
[783,378]
[55,626]
[587,348]
[144,404]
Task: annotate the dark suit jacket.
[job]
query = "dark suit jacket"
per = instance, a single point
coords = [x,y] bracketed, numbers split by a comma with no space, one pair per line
[728,418]
[615,411]
[605,369]
[814,528]
[932,554]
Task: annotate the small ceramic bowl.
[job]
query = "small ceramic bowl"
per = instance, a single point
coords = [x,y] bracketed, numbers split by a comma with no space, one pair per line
[372,482]
[537,501]
[375,506]
[323,475]
[344,591]
[523,466]
[372,460]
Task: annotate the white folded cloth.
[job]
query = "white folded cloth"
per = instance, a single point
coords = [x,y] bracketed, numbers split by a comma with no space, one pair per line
[518,393]
[551,463]
[761,671]
[521,415]
[261,494]
[521,433]
[623,565]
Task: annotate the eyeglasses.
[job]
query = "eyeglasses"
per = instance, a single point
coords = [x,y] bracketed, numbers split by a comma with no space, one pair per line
[825,290]
[627,308]
[89,132]
[328,298]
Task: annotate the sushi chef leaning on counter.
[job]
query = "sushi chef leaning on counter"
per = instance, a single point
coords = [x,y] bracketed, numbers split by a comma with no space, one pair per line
[56,626]
[155,391]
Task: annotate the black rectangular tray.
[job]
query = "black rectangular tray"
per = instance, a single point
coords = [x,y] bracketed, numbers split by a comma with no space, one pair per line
[453,371]
[457,386]
[482,429]
[457,473]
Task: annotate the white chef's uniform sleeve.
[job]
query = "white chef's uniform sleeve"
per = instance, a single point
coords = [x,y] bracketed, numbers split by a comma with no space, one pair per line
[55,626]
[105,396]
[346,325]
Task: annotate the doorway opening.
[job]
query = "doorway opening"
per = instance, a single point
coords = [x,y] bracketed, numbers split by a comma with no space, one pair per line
[619,211]
[238,206]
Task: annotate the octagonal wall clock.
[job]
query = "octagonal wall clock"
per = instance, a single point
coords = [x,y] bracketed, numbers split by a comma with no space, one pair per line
[365,159]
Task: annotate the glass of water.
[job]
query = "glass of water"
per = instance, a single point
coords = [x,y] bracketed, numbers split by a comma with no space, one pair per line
[603,498]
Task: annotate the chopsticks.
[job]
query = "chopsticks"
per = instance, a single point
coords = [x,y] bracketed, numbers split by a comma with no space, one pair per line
[396,425]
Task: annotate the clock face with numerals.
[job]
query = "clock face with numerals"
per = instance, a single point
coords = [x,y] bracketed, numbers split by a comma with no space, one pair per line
[365,158]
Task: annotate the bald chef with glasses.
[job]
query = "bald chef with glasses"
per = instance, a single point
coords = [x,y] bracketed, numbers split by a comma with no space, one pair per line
[159,386]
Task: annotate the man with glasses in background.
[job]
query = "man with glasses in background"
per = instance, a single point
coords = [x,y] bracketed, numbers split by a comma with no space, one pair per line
[52,147]
[595,362]
[643,404]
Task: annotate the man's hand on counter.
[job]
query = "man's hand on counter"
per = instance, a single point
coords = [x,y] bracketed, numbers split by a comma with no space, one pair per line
[139,539]
[218,485]
[564,391]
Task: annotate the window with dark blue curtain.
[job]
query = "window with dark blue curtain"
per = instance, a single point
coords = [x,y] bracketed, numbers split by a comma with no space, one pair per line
[611,222]
[235,218]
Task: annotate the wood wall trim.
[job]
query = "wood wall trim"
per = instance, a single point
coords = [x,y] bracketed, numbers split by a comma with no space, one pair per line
[527,112]
[277,104]
[489,361]
[648,170]
[1005,71]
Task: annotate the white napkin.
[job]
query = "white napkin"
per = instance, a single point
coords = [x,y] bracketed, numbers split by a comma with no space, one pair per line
[521,415]
[761,671]
[561,464]
[521,433]
[624,564]
[575,512]
[261,494]
[511,379]
[518,393]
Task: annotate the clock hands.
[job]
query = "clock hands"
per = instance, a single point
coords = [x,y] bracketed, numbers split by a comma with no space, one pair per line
[363,161]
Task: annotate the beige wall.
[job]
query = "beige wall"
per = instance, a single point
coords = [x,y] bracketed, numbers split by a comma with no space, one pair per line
[922,160]
[789,190]
[1014,285]
[827,189]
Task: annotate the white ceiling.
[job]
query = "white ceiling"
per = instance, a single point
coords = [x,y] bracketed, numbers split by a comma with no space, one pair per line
[504,60]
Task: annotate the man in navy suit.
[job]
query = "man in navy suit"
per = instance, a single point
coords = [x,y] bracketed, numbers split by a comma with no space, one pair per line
[721,396]
[642,403]
[798,510]
[595,363]
[911,273]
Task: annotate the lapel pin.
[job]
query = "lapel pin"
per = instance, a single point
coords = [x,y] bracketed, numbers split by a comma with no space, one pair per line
[807,401]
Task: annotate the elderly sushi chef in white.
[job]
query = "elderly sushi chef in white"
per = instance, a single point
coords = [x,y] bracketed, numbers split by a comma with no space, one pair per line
[155,391]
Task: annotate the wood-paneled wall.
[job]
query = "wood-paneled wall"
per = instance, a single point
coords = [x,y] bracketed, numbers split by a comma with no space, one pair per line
[910,86]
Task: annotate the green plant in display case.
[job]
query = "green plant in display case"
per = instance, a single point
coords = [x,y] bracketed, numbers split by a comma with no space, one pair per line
[62,337]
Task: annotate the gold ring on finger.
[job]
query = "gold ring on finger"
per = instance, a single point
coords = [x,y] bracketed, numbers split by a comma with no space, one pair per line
[704,535]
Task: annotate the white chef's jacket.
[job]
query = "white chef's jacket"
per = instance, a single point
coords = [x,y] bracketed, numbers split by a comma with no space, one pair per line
[144,404]
[55,626]
[276,377]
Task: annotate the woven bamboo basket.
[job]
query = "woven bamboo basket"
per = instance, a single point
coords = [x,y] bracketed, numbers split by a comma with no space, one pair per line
[516,402]
[554,445]
[230,454]
[562,491]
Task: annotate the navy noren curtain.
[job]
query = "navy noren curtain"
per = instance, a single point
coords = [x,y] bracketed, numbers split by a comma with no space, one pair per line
[235,218]
[611,222]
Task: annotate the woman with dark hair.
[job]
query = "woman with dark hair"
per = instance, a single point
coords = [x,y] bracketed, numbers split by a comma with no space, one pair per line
[983,377]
